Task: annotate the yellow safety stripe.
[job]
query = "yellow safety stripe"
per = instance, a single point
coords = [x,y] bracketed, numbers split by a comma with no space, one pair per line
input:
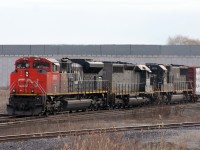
[75,93]
[99,92]
[152,92]
[27,94]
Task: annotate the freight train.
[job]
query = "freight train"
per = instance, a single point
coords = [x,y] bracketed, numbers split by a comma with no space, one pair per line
[46,86]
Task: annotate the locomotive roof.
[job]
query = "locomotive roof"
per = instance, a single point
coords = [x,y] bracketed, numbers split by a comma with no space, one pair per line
[88,63]
[56,62]
[96,64]
[52,60]
[144,67]
[163,67]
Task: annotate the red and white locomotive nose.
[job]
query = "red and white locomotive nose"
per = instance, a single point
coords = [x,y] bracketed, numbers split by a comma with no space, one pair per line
[28,86]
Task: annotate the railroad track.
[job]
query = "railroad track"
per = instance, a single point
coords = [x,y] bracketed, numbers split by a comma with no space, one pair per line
[3,114]
[5,118]
[77,116]
[14,122]
[8,118]
[11,119]
[67,117]
[96,131]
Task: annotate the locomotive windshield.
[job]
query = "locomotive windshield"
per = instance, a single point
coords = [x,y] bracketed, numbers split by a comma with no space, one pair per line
[23,65]
[41,65]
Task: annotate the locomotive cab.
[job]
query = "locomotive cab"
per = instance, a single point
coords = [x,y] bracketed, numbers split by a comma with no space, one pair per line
[159,77]
[144,73]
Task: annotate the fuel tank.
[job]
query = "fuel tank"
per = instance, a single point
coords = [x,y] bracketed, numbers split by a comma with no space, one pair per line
[178,98]
[76,104]
[137,101]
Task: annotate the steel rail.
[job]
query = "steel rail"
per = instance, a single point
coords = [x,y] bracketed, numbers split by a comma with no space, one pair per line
[96,131]
[12,121]
[65,118]
[7,118]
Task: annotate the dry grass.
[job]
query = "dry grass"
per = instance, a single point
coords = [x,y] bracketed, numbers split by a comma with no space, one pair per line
[114,141]
[3,100]
[117,142]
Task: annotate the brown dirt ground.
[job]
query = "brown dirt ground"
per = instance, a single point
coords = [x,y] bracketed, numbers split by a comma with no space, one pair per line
[3,100]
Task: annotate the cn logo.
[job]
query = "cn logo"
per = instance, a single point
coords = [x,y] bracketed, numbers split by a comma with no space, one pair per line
[22,82]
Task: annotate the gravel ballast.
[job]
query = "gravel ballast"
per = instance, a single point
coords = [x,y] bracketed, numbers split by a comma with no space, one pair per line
[188,138]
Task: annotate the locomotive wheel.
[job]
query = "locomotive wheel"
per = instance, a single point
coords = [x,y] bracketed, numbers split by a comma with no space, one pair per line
[40,114]
[83,110]
[157,99]
[46,114]
[165,99]
[54,113]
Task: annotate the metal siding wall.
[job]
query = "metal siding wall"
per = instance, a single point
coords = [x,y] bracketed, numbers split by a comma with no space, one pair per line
[195,50]
[51,49]
[180,50]
[16,49]
[37,49]
[1,49]
[6,67]
[91,50]
[145,50]
[68,50]
[79,50]
[116,49]
[1,72]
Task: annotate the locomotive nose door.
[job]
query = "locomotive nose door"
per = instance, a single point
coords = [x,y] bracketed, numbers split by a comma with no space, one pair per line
[145,78]
[23,68]
[95,83]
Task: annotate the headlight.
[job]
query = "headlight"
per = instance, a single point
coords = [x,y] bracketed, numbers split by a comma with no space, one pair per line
[26,73]
[32,91]
[14,91]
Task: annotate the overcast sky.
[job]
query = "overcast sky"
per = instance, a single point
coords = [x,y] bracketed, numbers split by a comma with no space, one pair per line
[97,21]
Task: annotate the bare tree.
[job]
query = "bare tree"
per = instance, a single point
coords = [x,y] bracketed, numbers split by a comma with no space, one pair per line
[182,40]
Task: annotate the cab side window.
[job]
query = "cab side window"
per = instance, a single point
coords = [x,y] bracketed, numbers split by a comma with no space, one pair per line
[41,65]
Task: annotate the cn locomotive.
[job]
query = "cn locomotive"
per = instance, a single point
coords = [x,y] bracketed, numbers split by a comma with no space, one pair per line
[46,86]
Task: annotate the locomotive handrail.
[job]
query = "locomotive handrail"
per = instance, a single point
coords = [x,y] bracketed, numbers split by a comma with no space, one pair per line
[43,91]
[181,85]
[11,87]
[126,88]
[89,85]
